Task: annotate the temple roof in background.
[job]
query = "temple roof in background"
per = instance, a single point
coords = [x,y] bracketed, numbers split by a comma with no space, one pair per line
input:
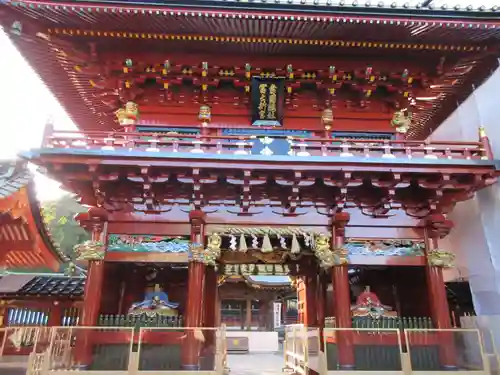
[24,239]
[27,284]
[259,282]
[41,285]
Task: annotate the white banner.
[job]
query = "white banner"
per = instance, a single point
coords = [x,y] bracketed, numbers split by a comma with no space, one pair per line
[277,314]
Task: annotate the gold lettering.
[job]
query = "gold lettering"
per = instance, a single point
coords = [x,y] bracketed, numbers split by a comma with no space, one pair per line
[271,111]
[262,101]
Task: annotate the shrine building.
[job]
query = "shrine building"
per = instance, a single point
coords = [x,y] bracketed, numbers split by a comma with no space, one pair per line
[256,174]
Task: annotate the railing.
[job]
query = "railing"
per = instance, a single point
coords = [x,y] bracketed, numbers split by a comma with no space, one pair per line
[432,350]
[108,320]
[123,351]
[20,340]
[301,349]
[385,351]
[385,322]
[21,316]
[363,349]
[242,145]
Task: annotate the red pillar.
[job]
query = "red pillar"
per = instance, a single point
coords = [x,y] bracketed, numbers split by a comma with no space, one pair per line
[91,302]
[321,298]
[55,315]
[342,297]
[311,285]
[211,292]
[440,310]
[210,305]
[194,305]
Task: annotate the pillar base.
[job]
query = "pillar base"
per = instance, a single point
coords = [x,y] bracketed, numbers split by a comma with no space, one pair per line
[191,367]
[449,368]
[347,367]
[82,367]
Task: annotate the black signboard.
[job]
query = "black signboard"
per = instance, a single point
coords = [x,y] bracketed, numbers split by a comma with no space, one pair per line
[268,101]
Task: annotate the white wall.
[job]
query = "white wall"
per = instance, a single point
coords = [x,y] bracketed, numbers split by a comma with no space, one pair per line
[476,236]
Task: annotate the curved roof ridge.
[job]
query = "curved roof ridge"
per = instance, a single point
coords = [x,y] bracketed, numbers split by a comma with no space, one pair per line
[18,198]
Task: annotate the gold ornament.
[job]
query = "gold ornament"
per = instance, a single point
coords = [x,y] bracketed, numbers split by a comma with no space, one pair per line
[401,120]
[327,118]
[128,115]
[210,254]
[90,250]
[326,256]
[440,258]
[205,113]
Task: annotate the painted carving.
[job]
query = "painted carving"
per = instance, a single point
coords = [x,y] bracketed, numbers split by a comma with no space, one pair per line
[401,121]
[147,244]
[385,248]
[326,256]
[129,115]
[155,303]
[90,250]
[341,256]
[205,113]
[208,255]
[274,257]
[368,304]
[440,258]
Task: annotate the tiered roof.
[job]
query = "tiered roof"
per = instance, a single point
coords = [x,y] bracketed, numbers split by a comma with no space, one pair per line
[55,36]
[24,239]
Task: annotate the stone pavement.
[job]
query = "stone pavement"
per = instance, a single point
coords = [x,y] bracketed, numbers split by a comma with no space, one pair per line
[256,364]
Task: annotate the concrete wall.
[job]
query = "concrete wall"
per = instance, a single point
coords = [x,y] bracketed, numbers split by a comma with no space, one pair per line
[476,236]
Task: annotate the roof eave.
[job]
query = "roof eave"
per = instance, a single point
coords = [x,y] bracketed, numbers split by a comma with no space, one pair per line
[58,258]
[351,8]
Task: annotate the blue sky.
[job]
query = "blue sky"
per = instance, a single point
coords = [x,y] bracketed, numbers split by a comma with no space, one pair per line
[26,106]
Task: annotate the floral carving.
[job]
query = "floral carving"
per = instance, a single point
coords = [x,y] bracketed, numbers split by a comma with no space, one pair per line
[440,258]
[90,250]
[208,255]
[401,121]
[327,257]
[128,115]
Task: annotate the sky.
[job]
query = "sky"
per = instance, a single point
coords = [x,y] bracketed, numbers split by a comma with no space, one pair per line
[27,104]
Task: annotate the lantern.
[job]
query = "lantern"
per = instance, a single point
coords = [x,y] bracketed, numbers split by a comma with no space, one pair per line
[205,114]
[327,118]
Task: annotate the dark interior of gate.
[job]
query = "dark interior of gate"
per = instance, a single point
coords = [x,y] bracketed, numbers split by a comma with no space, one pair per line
[261,168]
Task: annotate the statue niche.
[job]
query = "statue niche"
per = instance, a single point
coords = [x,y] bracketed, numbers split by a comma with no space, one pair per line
[155,301]
[368,304]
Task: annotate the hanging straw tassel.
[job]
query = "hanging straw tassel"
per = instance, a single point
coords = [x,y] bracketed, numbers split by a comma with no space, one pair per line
[243,244]
[295,245]
[266,245]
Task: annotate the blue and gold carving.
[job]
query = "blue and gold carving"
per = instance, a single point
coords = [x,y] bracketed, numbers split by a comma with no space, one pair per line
[155,303]
[147,244]
[385,248]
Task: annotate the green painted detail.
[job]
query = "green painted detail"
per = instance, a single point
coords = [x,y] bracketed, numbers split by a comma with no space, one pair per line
[147,243]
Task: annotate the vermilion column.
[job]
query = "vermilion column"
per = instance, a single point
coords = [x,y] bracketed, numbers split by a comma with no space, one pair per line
[93,294]
[311,285]
[440,310]
[210,304]
[342,297]
[91,301]
[321,310]
[55,315]
[194,303]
